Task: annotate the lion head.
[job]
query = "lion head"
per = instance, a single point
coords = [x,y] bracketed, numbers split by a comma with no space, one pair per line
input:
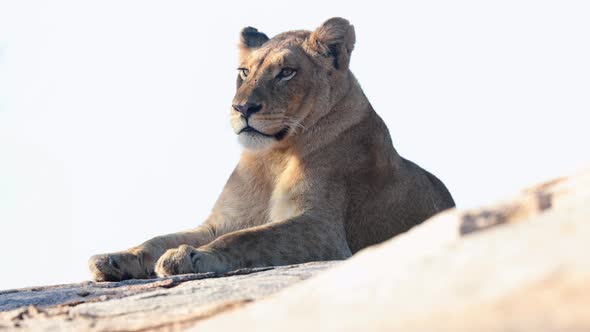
[287,83]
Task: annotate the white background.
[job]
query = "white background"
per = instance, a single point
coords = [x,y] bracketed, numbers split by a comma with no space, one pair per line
[114,115]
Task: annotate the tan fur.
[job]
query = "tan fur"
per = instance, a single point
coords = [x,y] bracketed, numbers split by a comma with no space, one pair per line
[320,179]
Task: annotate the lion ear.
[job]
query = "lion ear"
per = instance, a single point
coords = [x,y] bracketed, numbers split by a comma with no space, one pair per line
[335,38]
[250,39]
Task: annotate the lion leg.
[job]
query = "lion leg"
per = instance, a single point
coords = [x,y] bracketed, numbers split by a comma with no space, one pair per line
[139,262]
[298,240]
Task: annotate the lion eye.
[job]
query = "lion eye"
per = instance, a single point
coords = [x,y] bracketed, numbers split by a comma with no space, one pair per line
[243,73]
[286,74]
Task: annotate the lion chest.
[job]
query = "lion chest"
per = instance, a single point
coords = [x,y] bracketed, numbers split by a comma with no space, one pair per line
[286,197]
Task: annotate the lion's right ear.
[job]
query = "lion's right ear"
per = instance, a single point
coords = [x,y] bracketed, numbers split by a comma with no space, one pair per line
[251,39]
[335,39]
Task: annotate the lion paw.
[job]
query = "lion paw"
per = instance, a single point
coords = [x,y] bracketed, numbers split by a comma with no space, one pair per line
[186,259]
[117,267]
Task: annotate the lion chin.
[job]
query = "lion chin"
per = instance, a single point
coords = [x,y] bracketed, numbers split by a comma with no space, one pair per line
[255,141]
[252,139]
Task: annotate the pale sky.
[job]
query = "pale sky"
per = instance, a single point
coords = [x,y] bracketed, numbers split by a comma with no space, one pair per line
[114,115]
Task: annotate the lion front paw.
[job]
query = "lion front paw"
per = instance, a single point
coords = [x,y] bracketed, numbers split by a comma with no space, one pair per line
[118,266]
[186,259]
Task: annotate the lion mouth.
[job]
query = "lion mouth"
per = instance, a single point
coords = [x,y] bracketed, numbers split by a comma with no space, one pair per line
[278,136]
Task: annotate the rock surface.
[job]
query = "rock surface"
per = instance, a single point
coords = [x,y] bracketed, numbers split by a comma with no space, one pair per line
[518,265]
[166,304]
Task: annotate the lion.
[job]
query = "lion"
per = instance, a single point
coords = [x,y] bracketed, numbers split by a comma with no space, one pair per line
[318,178]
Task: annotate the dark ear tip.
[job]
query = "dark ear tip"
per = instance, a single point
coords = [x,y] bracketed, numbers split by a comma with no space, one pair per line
[251,37]
[249,30]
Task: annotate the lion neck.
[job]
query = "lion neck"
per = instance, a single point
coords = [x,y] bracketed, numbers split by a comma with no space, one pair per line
[350,107]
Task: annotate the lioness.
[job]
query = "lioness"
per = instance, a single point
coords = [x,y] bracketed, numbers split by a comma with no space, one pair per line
[318,179]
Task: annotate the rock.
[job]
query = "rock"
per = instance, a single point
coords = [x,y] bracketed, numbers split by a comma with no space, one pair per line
[157,304]
[518,265]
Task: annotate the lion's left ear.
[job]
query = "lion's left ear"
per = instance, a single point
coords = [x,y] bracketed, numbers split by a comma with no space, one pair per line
[251,38]
[334,38]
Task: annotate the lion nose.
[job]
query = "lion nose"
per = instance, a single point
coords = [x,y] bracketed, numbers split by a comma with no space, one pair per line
[247,109]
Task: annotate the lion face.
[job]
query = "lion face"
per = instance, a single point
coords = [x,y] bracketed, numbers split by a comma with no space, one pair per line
[286,83]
